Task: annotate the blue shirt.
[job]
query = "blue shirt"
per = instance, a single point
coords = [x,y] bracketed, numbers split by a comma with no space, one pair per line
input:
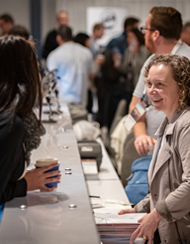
[120,42]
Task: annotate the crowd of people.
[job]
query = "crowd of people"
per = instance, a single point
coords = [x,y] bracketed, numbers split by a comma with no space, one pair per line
[151,63]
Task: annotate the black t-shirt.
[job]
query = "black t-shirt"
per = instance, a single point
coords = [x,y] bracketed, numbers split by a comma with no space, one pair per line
[12,162]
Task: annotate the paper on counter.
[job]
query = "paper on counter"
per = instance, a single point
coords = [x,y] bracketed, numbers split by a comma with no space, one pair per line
[105,215]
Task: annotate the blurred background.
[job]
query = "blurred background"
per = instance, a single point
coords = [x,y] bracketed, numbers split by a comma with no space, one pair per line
[39,16]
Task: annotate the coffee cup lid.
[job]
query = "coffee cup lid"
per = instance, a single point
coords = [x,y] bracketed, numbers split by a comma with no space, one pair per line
[45,161]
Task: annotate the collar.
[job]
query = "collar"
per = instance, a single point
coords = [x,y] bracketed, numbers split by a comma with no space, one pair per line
[171,126]
[176,47]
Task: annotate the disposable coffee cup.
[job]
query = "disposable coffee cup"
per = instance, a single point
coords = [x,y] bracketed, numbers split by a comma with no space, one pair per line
[45,162]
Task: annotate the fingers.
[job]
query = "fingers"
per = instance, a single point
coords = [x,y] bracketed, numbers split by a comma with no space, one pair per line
[37,178]
[49,189]
[140,148]
[134,235]
[48,167]
[52,179]
[52,173]
[150,241]
[143,144]
[140,220]
[125,211]
[151,141]
[45,173]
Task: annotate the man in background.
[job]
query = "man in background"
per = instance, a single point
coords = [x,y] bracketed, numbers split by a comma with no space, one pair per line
[74,65]
[50,44]
[6,23]
[98,32]
[185,34]
[120,42]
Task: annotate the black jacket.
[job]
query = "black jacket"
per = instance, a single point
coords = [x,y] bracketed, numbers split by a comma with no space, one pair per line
[50,43]
[12,162]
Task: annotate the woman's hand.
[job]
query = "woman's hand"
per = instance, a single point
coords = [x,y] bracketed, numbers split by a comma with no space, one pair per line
[125,211]
[148,225]
[143,144]
[37,178]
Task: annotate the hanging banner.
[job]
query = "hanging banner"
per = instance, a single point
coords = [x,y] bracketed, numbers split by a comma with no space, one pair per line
[112,19]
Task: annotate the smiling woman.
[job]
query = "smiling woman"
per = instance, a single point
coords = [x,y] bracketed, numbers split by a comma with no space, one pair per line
[161,88]
[167,203]
[171,74]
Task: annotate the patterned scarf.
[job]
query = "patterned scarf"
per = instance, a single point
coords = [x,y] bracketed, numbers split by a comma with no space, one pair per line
[32,136]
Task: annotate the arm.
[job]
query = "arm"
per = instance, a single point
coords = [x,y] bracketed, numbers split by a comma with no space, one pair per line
[143,142]
[148,225]
[11,158]
[176,205]
[142,207]
[37,178]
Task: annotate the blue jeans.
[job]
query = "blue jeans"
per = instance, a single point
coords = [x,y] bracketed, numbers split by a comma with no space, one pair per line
[1,210]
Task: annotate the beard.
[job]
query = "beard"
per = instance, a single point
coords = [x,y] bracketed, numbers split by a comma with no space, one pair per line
[150,45]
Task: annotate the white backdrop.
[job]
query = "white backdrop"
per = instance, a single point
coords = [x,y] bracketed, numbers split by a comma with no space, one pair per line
[137,8]
[111,18]
[77,10]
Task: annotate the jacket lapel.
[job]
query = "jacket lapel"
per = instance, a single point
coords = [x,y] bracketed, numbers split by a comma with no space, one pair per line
[160,158]
[153,161]
[163,157]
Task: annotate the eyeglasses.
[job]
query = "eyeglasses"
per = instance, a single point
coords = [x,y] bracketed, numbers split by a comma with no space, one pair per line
[143,28]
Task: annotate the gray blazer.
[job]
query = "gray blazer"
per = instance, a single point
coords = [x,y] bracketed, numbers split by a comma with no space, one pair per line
[169,180]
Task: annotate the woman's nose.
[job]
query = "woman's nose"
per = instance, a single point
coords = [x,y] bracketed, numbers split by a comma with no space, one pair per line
[152,90]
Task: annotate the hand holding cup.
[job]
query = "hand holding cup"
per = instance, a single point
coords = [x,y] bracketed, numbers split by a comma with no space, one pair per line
[46,175]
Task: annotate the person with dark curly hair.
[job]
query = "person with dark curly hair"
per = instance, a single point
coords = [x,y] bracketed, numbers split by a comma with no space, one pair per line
[167,203]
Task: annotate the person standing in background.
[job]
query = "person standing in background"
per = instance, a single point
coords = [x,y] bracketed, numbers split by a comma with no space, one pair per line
[83,39]
[133,60]
[74,64]
[98,32]
[20,30]
[185,34]
[6,23]
[50,41]
[120,41]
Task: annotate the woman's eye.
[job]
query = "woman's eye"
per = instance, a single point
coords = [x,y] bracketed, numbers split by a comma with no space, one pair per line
[160,84]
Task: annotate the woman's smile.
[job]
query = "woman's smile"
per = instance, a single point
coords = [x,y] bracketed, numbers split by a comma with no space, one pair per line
[162,89]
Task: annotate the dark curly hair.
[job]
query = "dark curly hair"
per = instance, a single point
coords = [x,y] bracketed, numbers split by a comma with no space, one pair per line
[181,73]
